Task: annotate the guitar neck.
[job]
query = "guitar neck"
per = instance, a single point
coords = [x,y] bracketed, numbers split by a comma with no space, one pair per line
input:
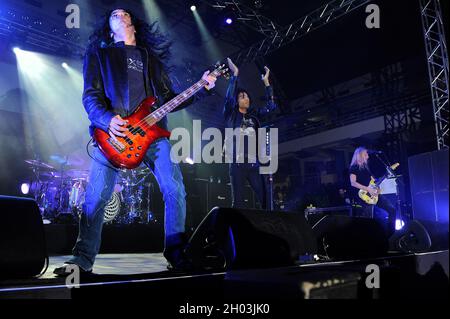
[379,181]
[178,100]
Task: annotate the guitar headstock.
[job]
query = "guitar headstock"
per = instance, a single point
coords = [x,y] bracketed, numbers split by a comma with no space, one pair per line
[221,69]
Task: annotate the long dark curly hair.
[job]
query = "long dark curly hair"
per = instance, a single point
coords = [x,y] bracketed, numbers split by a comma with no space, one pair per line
[147,35]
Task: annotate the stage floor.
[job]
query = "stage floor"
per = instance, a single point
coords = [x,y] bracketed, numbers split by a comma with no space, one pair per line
[120,269]
[128,275]
[117,264]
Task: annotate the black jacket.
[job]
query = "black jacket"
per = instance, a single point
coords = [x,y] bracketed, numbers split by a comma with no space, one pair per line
[234,118]
[105,91]
[231,110]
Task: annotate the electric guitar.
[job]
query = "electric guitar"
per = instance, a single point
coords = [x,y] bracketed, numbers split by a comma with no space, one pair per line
[374,184]
[129,151]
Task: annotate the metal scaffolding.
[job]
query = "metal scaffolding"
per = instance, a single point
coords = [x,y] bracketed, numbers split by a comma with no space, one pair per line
[22,28]
[246,15]
[283,36]
[437,58]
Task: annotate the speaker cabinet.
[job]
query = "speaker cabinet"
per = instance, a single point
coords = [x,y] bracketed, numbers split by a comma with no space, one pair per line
[343,237]
[243,238]
[23,250]
[428,174]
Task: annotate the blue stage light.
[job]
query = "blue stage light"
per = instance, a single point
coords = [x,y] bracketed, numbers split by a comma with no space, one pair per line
[25,188]
[399,224]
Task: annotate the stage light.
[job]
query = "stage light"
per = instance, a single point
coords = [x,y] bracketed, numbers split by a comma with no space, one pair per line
[193,8]
[49,86]
[399,224]
[208,41]
[229,21]
[64,65]
[189,160]
[25,188]
[153,12]
[16,50]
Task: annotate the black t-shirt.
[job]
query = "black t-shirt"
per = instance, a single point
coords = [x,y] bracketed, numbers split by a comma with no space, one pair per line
[249,129]
[136,84]
[362,174]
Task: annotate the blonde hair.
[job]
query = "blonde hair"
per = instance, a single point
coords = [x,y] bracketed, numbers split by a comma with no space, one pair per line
[357,158]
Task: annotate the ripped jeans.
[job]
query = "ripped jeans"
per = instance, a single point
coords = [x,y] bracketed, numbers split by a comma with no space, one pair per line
[102,179]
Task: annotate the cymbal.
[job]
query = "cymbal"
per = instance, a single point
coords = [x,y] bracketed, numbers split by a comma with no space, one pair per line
[69,174]
[51,174]
[142,170]
[64,160]
[39,164]
[77,173]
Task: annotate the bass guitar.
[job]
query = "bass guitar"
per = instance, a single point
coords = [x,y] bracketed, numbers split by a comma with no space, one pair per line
[129,151]
[374,184]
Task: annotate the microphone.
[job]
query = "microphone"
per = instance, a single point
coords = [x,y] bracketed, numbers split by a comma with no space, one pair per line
[374,152]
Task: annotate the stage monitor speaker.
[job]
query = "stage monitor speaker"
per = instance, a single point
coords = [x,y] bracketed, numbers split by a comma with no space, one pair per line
[428,175]
[343,237]
[420,236]
[230,238]
[23,250]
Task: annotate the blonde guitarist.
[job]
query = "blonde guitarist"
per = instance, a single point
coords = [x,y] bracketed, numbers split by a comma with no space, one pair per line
[360,177]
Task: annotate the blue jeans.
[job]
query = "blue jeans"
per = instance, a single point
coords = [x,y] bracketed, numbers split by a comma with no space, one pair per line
[102,179]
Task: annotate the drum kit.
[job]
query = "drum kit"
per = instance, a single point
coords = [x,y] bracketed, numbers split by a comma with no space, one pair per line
[59,191]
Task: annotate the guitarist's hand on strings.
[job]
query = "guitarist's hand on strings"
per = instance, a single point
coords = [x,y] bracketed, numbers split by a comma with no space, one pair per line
[372,191]
[116,126]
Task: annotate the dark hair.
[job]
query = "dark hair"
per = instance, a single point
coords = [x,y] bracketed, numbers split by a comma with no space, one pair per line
[242,90]
[148,36]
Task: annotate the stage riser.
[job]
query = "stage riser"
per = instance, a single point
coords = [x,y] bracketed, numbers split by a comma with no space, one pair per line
[407,276]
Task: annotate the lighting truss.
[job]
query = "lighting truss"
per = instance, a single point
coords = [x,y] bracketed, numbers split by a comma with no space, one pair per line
[437,59]
[283,36]
[246,15]
[29,30]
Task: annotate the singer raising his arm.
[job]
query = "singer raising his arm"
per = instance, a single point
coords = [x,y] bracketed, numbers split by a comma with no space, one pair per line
[240,113]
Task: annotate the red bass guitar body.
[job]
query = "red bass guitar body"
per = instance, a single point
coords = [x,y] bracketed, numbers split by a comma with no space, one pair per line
[129,151]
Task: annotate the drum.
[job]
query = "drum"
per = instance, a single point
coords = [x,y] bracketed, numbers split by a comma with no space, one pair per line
[77,195]
[112,208]
[54,197]
[118,188]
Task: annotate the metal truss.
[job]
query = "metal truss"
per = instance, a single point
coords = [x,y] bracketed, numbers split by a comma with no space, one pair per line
[398,124]
[247,16]
[437,58]
[30,30]
[401,121]
[283,36]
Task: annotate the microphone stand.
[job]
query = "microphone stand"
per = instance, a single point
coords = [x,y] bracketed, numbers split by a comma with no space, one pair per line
[269,191]
[392,175]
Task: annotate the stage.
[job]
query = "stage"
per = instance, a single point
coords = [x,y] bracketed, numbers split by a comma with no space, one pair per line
[285,151]
[145,276]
